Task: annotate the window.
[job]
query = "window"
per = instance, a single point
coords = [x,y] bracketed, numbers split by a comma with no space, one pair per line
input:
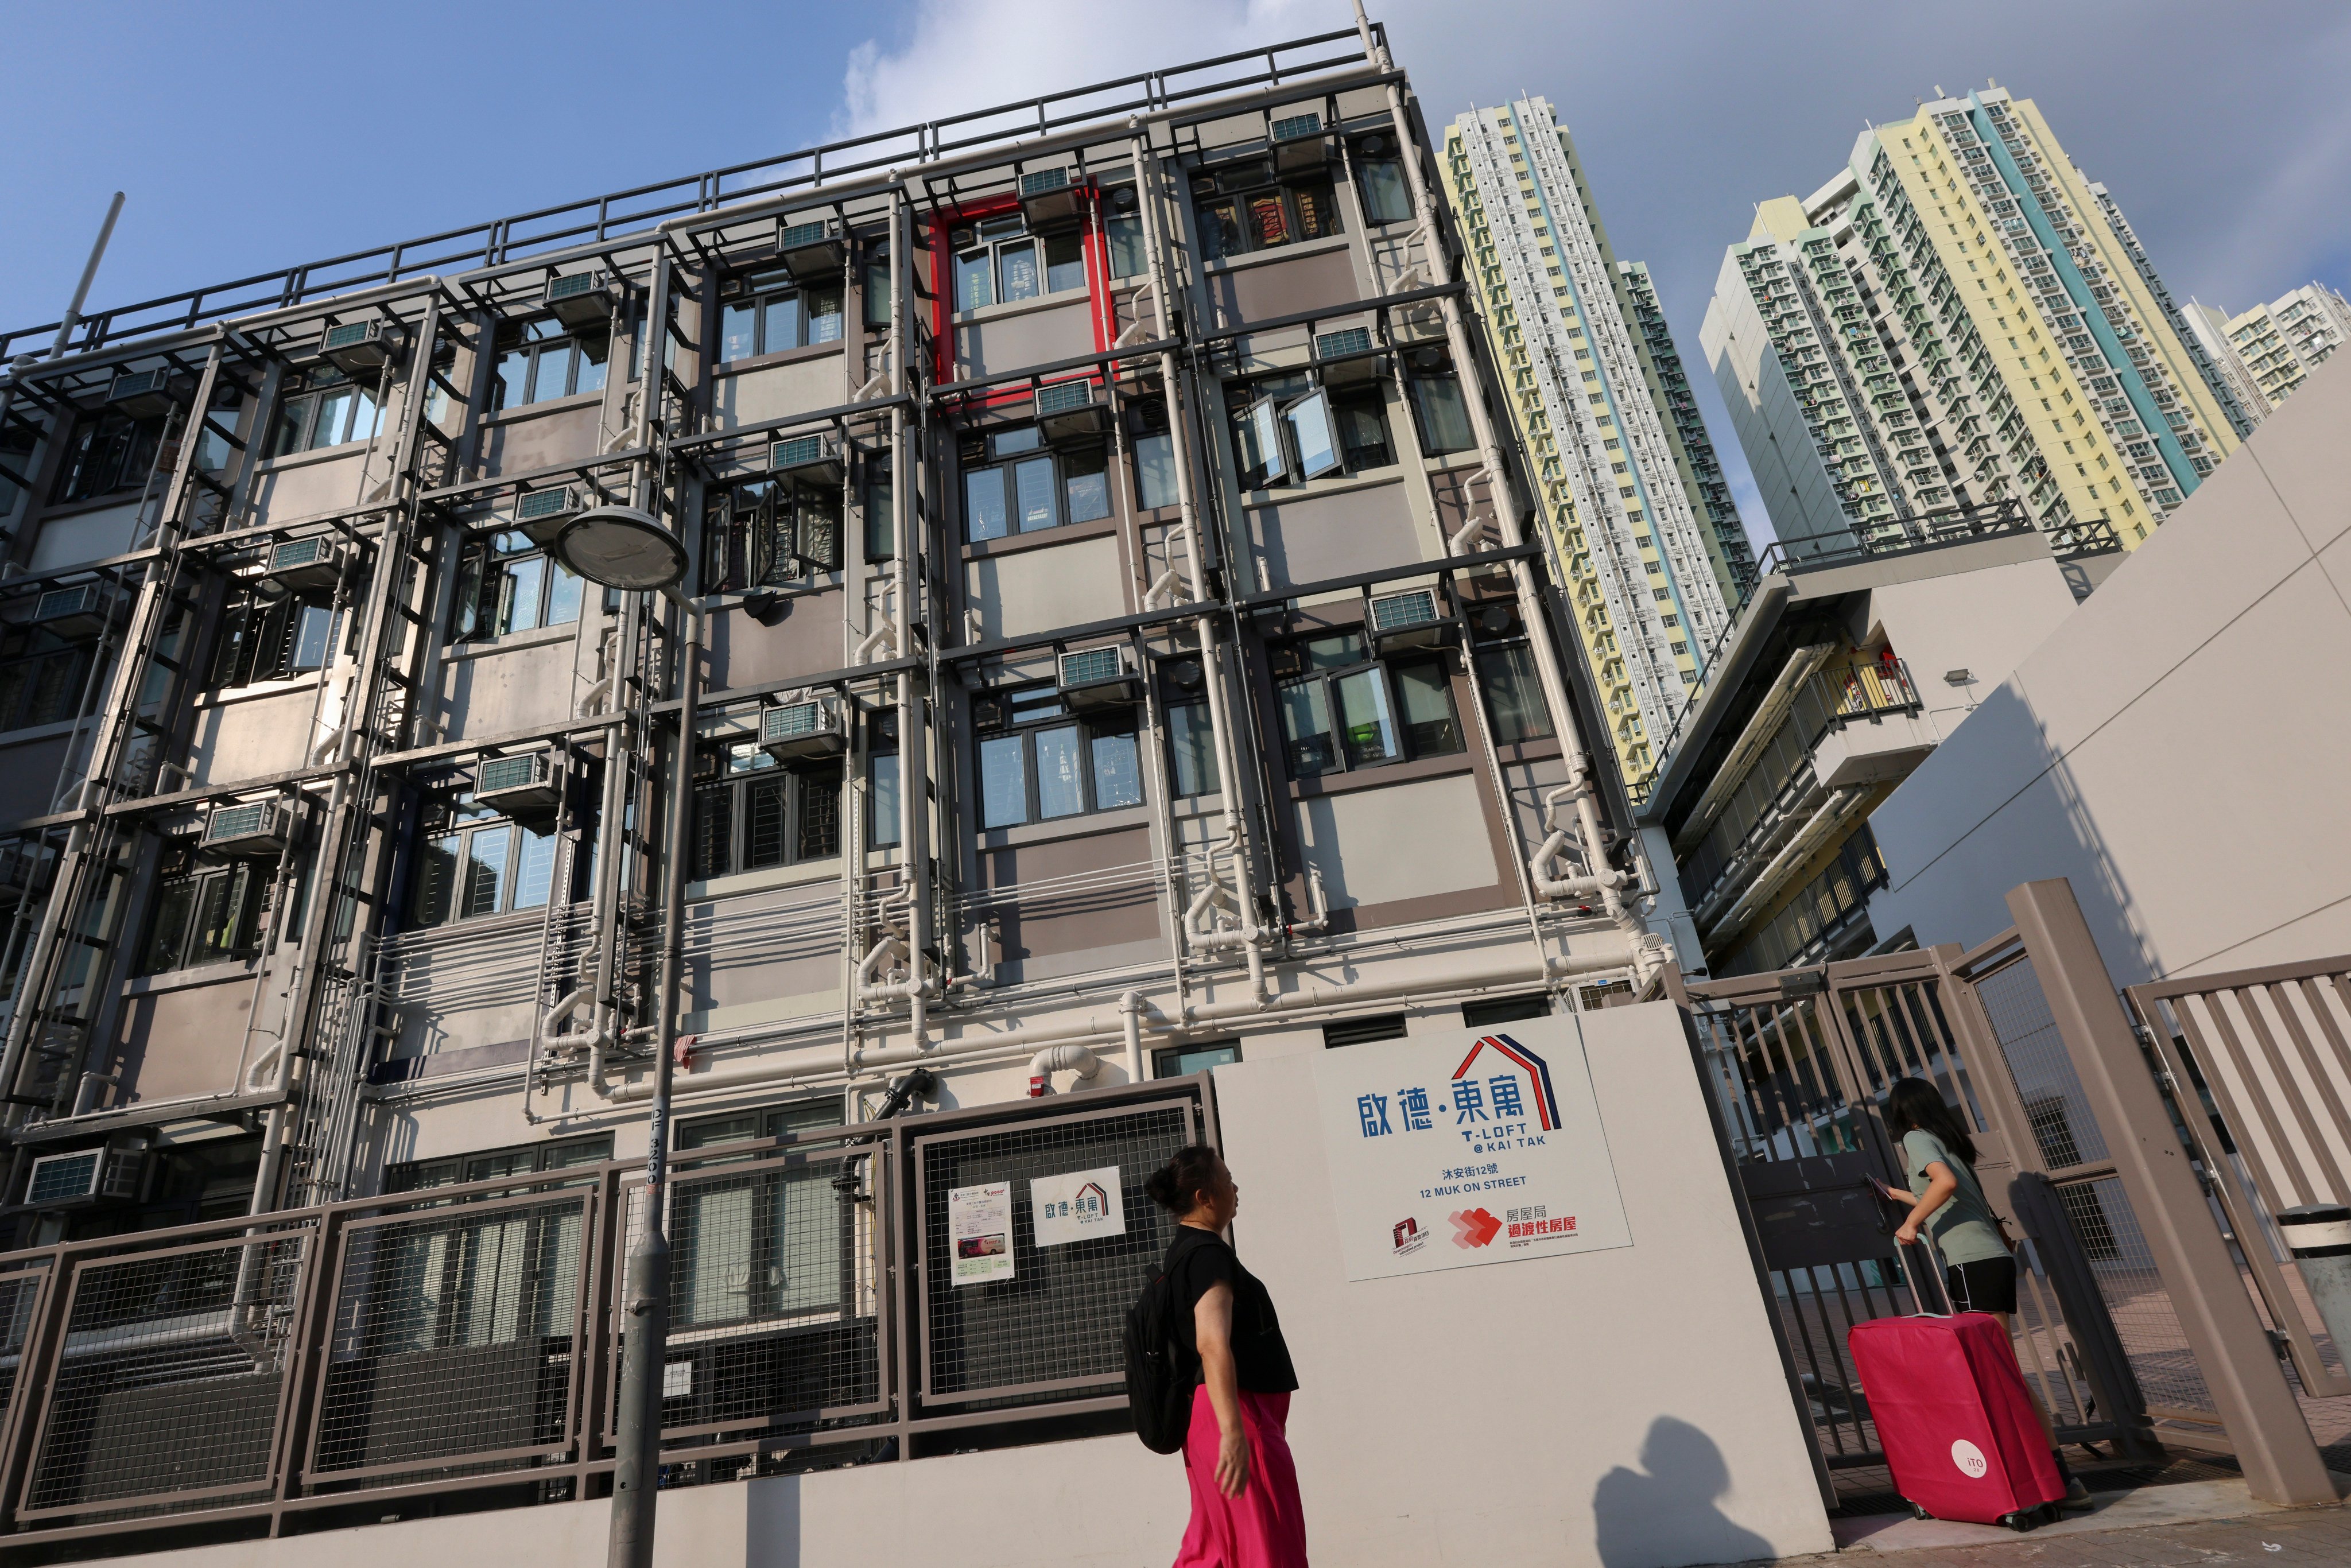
[269,633]
[417,1175]
[39,683]
[1191,737]
[204,913]
[767,313]
[1506,669]
[881,515]
[108,451]
[1037,763]
[506,584]
[18,444]
[1179,1060]
[753,813]
[1341,708]
[1440,403]
[321,406]
[1123,226]
[877,284]
[776,1241]
[998,262]
[768,532]
[1013,483]
[1289,429]
[473,863]
[1154,446]
[1243,209]
[1380,180]
[537,360]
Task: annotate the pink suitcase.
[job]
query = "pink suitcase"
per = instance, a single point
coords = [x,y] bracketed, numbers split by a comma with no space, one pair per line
[1955,1421]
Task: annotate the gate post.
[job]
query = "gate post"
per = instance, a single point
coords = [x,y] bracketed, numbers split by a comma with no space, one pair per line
[2272,1442]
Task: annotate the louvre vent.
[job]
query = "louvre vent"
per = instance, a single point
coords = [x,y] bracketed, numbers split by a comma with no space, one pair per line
[1338,345]
[797,719]
[572,287]
[1292,128]
[800,235]
[1063,396]
[1402,611]
[502,773]
[236,822]
[299,552]
[69,603]
[347,335]
[64,1178]
[1091,664]
[1044,180]
[542,504]
[810,728]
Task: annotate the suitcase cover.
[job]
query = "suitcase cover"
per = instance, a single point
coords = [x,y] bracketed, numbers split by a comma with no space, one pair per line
[1953,1416]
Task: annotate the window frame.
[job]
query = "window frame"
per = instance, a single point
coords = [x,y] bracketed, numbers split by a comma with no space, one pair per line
[1509,643]
[71,660]
[457,818]
[297,426]
[108,444]
[716,775]
[247,885]
[1328,678]
[532,339]
[1266,409]
[1243,184]
[1365,159]
[260,637]
[998,457]
[477,554]
[734,519]
[755,293]
[993,235]
[1175,695]
[1091,727]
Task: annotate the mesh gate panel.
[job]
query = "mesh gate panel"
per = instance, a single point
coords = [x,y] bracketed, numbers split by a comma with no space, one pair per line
[1060,1313]
[453,1341]
[167,1382]
[2062,1122]
[2135,1295]
[774,1296]
[19,1292]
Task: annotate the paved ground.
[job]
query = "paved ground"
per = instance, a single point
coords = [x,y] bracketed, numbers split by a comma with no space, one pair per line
[2295,1537]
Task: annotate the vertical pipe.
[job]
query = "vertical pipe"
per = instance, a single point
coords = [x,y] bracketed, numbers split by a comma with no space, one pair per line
[914,728]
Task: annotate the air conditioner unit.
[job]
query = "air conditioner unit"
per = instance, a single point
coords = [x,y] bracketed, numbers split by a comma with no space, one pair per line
[81,611]
[257,830]
[814,458]
[106,1175]
[1069,412]
[1100,677]
[813,728]
[579,299]
[1412,619]
[524,786]
[357,346]
[308,563]
[1346,358]
[141,394]
[541,514]
[1299,144]
[1051,200]
[812,252]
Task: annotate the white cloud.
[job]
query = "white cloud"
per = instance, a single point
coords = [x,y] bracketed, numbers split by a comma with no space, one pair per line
[955,56]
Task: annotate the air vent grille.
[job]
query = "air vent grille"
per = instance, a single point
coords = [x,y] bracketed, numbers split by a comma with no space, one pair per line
[799,452]
[572,286]
[1044,180]
[135,383]
[1400,611]
[1090,664]
[793,720]
[299,552]
[541,504]
[1061,397]
[1338,345]
[499,773]
[349,334]
[60,1177]
[798,234]
[1292,128]
[60,602]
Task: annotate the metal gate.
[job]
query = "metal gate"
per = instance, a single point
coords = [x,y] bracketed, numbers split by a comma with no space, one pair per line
[1800,1060]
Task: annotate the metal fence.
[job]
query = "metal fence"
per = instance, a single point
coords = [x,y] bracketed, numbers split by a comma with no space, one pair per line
[360,1355]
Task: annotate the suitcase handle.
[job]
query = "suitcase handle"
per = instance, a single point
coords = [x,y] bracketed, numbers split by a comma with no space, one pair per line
[1926,1242]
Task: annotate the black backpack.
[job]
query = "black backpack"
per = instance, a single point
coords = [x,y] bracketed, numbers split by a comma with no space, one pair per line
[1159,1374]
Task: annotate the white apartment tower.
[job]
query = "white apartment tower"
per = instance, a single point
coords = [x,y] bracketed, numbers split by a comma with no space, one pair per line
[1648,545]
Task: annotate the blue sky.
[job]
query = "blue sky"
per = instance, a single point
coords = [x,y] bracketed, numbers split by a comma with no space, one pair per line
[260,134]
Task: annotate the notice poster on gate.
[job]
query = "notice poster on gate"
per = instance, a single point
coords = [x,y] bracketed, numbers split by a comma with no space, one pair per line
[1466,1147]
[979,1232]
[1077,1206]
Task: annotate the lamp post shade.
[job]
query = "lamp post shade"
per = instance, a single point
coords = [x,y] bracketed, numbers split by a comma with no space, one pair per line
[620,546]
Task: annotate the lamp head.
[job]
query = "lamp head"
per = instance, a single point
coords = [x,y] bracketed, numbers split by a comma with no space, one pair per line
[621,547]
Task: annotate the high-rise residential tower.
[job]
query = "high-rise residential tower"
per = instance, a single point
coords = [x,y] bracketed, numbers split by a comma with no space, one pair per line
[2280,343]
[1630,495]
[1958,319]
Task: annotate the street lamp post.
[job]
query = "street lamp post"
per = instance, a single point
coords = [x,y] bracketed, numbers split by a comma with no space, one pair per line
[621,547]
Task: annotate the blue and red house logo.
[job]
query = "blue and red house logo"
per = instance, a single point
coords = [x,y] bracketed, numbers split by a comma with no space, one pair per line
[1536,1071]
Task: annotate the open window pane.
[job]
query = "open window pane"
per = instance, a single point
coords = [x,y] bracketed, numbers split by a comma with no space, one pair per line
[1032,484]
[1017,266]
[1387,197]
[975,281]
[737,333]
[1003,782]
[781,324]
[1128,256]
[1306,726]
[551,376]
[486,869]
[1261,458]
[534,876]
[1365,722]
[983,504]
[1085,484]
[1154,471]
[1514,693]
[885,827]
[592,355]
[1060,782]
[1443,417]
[563,598]
[1065,263]
[825,316]
[525,578]
[334,416]
[1426,698]
[312,625]
[1317,445]
[1191,741]
[1118,771]
[436,879]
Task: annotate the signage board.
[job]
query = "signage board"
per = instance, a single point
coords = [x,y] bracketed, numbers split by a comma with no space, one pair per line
[1077,1206]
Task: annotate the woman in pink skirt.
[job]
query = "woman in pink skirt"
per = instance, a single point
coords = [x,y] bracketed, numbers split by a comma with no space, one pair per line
[1244,1510]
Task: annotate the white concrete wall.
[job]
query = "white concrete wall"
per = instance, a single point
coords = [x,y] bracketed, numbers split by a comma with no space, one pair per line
[2180,747]
[1984,622]
[1624,1409]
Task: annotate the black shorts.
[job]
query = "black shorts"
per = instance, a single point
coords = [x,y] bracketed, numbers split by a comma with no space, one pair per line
[1986,1285]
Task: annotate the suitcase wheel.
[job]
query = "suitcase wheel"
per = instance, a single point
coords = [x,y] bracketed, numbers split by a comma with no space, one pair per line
[2021,1523]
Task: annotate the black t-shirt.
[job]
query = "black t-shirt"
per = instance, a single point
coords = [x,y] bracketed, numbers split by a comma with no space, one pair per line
[1196,1260]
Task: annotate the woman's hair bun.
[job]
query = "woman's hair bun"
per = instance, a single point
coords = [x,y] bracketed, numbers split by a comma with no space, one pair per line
[1176,1185]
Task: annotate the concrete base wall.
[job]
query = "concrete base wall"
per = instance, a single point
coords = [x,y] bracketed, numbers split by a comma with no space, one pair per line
[1624,1407]
[2178,748]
